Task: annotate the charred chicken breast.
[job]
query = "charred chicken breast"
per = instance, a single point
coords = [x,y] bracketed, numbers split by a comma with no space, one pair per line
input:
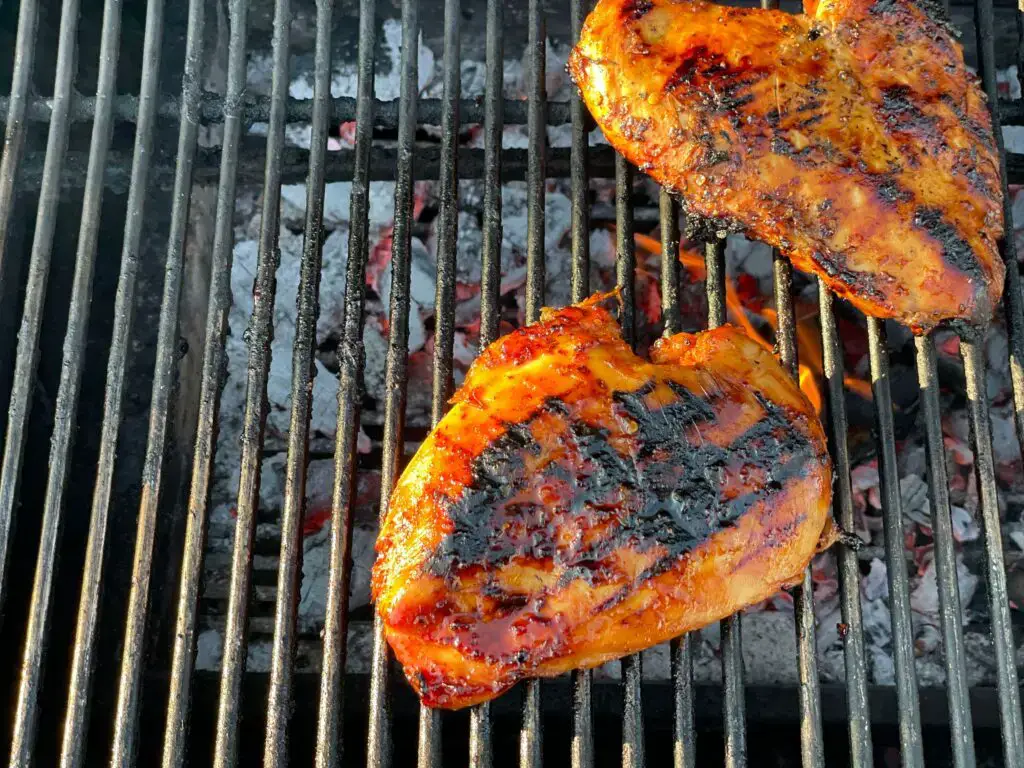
[851,137]
[579,503]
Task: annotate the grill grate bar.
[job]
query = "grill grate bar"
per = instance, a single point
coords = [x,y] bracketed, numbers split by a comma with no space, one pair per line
[26,358]
[957,691]
[785,334]
[846,556]
[530,737]
[1020,64]
[681,655]
[732,652]
[625,251]
[714,286]
[1012,296]
[633,714]
[279,704]
[536,164]
[494,121]
[351,362]
[531,733]
[379,737]
[259,331]
[340,164]
[668,210]
[1002,629]
[128,698]
[448,218]
[974,368]
[16,112]
[684,739]
[444,303]
[256,109]
[295,164]
[811,737]
[218,307]
[732,677]
[961,732]
[36,640]
[74,736]
[579,182]
[480,748]
[625,271]
[892,524]
[428,747]
[582,752]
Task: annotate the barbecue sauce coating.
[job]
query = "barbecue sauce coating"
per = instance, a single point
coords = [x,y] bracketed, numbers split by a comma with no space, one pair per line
[579,503]
[851,137]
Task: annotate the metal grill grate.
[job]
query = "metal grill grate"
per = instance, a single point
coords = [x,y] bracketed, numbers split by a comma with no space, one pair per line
[229,164]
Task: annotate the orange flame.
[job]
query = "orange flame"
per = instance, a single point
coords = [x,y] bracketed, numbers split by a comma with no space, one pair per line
[808,338]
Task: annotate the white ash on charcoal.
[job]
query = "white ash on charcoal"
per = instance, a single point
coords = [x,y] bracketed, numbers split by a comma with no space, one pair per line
[344,83]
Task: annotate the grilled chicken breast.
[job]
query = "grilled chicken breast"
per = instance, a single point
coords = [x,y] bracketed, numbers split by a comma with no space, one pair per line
[851,137]
[579,503]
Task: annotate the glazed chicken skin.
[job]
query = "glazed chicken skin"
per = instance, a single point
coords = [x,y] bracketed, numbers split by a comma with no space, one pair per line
[851,137]
[579,503]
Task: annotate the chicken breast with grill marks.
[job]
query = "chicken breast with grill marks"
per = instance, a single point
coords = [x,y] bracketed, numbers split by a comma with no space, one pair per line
[852,137]
[579,503]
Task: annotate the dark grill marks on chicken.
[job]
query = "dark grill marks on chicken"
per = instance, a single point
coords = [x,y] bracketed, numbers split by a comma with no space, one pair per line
[579,503]
[664,486]
[756,116]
